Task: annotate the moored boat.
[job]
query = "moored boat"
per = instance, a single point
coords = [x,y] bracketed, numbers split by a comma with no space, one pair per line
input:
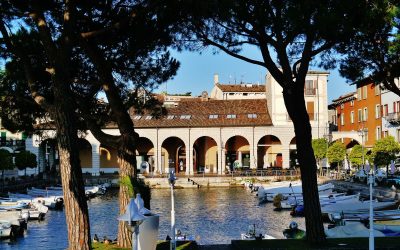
[5,229]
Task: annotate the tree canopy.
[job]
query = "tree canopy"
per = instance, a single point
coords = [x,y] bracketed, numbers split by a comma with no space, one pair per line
[373,55]
[356,155]
[336,152]
[384,151]
[6,160]
[320,146]
[25,159]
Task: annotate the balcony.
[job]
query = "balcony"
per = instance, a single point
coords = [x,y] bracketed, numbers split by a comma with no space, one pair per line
[393,118]
[310,91]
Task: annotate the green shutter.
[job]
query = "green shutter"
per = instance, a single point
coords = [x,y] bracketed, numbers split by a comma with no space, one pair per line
[3,135]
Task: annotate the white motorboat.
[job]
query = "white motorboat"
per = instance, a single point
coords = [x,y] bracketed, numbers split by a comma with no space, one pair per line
[292,190]
[357,216]
[5,229]
[323,199]
[17,219]
[352,206]
[52,202]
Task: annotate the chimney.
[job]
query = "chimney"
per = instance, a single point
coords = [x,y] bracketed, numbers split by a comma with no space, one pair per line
[216,79]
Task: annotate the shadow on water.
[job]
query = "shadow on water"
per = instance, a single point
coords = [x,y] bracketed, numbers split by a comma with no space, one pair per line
[212,216]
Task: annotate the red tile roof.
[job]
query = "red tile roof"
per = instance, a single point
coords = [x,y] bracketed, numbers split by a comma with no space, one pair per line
[200,111]
[241,87]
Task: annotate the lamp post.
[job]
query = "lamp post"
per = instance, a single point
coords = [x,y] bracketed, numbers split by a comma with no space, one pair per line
[171,180]
[371,180]
[361,133]
[133,219]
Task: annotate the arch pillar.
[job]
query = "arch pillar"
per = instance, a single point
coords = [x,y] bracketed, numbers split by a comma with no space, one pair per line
[158,161]
[95,158]
[285,156]
[253,157]
[223,160]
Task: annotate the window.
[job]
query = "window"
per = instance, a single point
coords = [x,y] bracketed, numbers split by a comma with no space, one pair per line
[212,116]
[342,106]
[251,116]
[309,88]
[365,135]
[185,117]
[365,114]
[377,111]
[359,115]
[342,119]
[170,117]
[377,90]
[394,107]
[352,117]
[398,106]
[385,110]
[231,116]
[137,117]
[385,133]
[352,103]
[365,89]
[148,117]
[378,133]
[359,94]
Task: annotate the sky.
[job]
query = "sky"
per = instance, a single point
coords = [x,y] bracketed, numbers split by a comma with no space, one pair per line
[196,73]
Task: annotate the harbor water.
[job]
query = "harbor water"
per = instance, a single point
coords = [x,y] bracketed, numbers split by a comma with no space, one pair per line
[210,215]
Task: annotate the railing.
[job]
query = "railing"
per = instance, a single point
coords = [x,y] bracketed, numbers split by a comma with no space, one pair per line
[393,117]
[310,91]
[12,143]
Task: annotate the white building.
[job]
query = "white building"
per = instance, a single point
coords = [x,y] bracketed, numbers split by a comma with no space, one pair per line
[390,107]
[209,134]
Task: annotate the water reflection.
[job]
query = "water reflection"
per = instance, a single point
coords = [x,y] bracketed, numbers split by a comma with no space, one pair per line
[213,216]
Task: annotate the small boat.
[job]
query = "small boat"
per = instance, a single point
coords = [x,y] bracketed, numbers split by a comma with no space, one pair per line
[350,229]
[5,229]
[357,216]
[392,225]
[252,235]
[295,190]
[323,199]
[351,206]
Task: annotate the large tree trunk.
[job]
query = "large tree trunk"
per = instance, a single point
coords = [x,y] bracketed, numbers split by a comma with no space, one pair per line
[127,170]
[76,210]
[295,105]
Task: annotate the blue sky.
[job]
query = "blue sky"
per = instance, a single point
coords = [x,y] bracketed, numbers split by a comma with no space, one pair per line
[196,73]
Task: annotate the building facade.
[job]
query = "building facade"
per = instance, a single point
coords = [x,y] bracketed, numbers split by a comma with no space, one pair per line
[206,134]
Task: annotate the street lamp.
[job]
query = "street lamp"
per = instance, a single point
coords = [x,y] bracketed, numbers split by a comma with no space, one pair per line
[171,180]
[361,133]
[371,180]
[133,219]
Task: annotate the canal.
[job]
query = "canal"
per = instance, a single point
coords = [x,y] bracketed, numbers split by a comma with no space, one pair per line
[212,216]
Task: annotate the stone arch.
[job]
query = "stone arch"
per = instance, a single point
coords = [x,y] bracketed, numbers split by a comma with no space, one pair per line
[269,152]
[145,154]
[85,153]
[237,148]
[205,155]
[172,152]
[108,158]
